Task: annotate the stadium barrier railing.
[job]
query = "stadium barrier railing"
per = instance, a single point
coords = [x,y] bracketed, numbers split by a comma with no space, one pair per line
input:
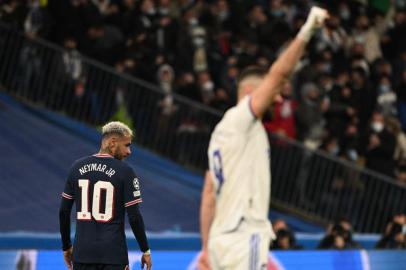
[309,183]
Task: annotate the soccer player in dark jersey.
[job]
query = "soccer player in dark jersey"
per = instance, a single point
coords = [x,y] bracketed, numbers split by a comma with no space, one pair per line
[103,187]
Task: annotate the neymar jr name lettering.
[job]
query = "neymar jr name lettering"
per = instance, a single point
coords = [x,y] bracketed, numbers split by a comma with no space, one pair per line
[99,167]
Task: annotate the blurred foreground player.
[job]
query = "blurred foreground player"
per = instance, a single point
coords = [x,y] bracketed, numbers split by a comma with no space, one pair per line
[103,186]
[235,229]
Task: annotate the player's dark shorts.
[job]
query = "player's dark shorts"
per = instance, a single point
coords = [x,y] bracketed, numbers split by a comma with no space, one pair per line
[93,266]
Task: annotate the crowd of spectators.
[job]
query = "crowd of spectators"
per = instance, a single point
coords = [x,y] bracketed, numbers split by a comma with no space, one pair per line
[339,235]
[347,97]
[349,91]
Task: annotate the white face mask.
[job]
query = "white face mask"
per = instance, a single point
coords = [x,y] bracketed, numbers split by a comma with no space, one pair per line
[334,151]
[198,42]
[345,14]
[193,21]
[352,154]
[377,126]
[151,11]
[208,86]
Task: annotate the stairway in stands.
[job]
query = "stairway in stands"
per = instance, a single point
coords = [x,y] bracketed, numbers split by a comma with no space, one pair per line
[37,149]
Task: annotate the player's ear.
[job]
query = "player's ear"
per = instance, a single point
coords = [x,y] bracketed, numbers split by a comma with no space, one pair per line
[113,141]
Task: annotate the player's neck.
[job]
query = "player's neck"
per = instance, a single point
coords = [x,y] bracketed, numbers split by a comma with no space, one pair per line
[105,152]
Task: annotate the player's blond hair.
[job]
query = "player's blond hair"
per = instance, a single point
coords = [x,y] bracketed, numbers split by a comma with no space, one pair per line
[116,128]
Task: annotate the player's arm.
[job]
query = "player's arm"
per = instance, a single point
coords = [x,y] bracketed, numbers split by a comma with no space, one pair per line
[284,66]
[64,223]
[138,228]
[207,209]
[132,197]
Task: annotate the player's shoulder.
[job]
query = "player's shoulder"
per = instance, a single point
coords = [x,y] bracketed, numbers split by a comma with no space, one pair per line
[228,116]
[235,117]
[124,169]
[124,166]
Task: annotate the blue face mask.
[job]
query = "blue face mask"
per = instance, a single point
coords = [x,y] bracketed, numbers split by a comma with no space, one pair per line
[335,150]
[326,67]
[345,14]
[352,154]
[278,13]
[383,88]
[400,4]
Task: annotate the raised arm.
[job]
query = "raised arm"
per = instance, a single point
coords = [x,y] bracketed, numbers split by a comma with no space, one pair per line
[207,209]
[284,66]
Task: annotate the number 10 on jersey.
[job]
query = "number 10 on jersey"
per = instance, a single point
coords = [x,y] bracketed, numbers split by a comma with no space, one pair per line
[85,213]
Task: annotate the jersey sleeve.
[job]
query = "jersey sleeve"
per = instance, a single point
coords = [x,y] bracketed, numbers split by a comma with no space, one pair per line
[240,118]
[69,190]
[132,190]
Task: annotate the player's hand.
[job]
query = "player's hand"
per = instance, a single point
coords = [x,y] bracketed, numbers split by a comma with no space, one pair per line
[203,262]
[146,261]
[316,17]
[314,20]
[67,256]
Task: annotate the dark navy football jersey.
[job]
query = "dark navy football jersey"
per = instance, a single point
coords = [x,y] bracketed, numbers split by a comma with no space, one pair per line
[102,187]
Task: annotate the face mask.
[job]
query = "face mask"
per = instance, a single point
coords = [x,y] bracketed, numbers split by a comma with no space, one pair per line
[223,15]
[326,67]
[400,4]
[164,11]
[383,88]
[335,150]
[277,13]
[286,110]
[151,11]
[345,14]
[328,86]
[198,42]
[208,86]
[352,154]
[193,21]
[377,126]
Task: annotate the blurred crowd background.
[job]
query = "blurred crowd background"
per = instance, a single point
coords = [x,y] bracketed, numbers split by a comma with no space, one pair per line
[340,235]
[347,96]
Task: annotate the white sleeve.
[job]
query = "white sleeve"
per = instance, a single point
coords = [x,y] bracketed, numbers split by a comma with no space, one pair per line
[240,118]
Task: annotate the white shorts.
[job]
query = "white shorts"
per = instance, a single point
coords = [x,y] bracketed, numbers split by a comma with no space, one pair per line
[246,248]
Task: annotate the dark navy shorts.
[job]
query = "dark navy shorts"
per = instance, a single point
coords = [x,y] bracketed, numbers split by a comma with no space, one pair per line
[98,266]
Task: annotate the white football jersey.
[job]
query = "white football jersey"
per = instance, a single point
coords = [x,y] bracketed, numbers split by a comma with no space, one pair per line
[239,161]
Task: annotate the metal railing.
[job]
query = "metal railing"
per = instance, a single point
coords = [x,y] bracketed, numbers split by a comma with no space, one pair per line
[41,73]
[321,187]
[308,183]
